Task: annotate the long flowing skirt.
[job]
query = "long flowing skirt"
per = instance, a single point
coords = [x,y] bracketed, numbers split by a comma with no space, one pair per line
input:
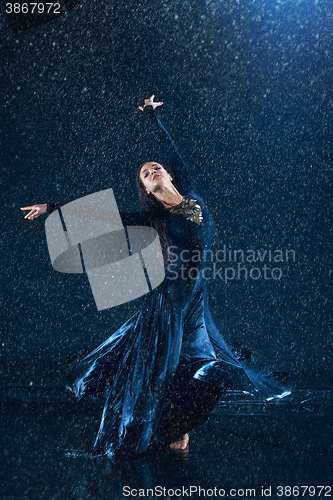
[162,372]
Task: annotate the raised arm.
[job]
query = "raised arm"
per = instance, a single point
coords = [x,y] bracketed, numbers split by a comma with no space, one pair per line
[180,171]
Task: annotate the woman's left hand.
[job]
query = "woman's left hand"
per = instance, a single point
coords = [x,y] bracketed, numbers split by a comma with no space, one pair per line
[150,102]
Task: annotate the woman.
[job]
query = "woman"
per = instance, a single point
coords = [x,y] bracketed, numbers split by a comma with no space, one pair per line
[162,372]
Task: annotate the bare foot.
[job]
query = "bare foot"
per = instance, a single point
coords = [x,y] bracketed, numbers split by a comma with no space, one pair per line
[182,444]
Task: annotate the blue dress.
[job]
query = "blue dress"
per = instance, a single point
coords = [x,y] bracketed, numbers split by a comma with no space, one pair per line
[162,372]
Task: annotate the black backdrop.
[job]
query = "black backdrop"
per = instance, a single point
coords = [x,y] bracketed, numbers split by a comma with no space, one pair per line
[247,91]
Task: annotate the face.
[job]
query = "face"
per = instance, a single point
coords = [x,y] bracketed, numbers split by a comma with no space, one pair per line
[154,176]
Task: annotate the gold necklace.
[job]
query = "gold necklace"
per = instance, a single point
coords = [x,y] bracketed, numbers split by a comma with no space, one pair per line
[189,208]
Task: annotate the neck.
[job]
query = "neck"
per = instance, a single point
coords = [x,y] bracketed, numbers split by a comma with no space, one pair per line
[169,196]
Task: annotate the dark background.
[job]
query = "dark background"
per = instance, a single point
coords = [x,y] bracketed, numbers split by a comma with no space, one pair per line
[247,91]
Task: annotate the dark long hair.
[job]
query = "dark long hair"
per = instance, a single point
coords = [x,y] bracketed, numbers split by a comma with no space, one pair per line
[156,213]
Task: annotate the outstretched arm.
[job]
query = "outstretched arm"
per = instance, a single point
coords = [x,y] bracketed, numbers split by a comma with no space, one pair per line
[180,171]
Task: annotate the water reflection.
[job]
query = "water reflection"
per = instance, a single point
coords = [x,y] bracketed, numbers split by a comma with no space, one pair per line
[245,444]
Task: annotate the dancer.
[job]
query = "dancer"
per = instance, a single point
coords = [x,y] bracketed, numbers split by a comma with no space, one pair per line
[162,372]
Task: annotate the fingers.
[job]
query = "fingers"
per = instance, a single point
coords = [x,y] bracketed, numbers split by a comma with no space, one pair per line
[32,214]
[35,210]
[150,102]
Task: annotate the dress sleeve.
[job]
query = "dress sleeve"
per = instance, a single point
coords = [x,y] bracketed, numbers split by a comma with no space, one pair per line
[51,207]
[182,177]
[128,218]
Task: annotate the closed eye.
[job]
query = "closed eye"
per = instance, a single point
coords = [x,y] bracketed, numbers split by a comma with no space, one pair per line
[155,168]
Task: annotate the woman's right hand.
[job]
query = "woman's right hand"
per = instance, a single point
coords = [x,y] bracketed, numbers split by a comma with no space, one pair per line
[35,211]
[150,102]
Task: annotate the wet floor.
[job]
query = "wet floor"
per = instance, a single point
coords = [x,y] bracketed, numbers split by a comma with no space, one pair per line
[246,448]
